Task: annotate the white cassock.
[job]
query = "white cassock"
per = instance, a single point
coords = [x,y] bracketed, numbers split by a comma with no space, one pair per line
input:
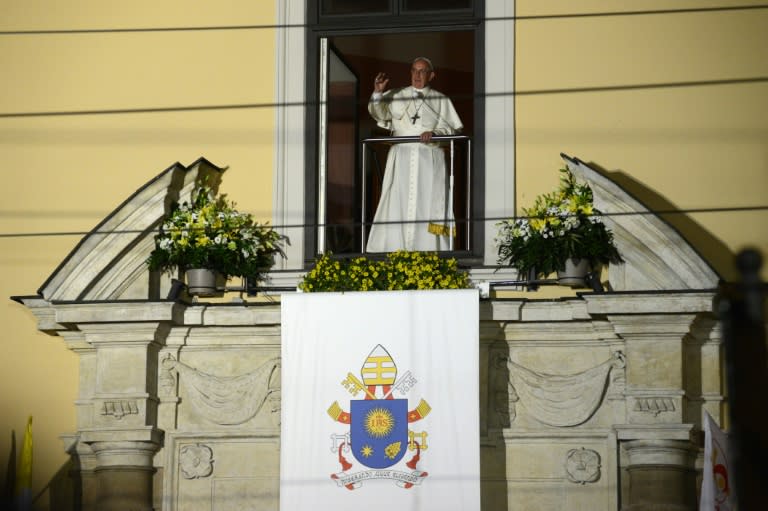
[415,186]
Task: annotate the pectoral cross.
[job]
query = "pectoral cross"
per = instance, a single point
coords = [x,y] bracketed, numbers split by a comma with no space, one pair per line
[416,115]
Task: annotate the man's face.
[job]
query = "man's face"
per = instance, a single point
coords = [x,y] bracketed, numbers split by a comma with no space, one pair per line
[420,74]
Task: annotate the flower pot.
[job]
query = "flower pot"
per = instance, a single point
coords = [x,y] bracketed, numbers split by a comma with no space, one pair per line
[574,274]
[201,282]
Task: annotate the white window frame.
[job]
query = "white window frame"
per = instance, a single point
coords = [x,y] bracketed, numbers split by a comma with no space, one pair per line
[289,179]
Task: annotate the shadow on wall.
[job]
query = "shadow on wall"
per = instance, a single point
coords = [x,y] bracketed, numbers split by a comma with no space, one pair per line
[62,493]
[499,410]
[6,500]
[711,249]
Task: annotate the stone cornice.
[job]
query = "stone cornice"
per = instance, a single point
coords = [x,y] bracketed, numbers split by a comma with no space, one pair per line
[663,302]
[231,315]
[653,431]
[140,434]
[653,326]
[74,313]
[125,333]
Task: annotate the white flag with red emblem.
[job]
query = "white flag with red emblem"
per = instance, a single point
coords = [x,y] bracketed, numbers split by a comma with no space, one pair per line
[717,492]
[380,401]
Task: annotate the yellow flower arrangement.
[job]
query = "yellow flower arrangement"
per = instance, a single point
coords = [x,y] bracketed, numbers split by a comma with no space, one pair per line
[400,270]
[208,232]
[559,226]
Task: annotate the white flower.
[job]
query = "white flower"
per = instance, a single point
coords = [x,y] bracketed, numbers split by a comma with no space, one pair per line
[572,222]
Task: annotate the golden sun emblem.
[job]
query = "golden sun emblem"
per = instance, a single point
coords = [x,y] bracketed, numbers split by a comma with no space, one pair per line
[379,422]
[366,451]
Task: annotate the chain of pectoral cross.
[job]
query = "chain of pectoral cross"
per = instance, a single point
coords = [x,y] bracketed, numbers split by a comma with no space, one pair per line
[416,115]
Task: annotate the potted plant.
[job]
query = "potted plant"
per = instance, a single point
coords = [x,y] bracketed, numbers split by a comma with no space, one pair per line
[561,229]
[208,236]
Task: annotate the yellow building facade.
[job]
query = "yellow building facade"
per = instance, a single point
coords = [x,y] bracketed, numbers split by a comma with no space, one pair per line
[97,99]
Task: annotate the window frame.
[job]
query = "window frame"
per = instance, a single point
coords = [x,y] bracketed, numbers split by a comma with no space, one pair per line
[397,15]
[497,144]
[367,25]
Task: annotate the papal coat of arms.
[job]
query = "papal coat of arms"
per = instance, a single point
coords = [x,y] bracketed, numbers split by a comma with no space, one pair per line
[379,437]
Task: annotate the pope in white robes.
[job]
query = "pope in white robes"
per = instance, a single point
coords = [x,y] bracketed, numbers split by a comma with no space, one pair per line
[413,212]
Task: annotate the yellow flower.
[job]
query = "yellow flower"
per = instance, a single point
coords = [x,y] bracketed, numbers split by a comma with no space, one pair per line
[538,224]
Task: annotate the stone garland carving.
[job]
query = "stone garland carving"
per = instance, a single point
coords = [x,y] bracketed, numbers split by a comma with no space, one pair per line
[119,409]
[196,461]
[229,400]
[561,400]
[582,466]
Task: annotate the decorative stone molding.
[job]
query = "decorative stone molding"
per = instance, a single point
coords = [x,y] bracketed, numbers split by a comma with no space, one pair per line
[167,378]
[582,466]
[654,405]
[562,400]
[120,408]
[196,461]
[229,400]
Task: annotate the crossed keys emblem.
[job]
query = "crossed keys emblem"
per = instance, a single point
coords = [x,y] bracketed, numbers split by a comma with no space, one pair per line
[379,436]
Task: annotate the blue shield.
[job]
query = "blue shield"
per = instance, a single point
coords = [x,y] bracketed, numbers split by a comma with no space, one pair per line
[379,431]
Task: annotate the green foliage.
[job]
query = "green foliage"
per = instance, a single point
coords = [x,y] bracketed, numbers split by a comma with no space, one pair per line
[210,233]
[559,226]
[401,270]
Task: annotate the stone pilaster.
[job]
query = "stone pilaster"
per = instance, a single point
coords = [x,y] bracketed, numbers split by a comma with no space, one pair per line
[655,356]
[121,427]
[660,458]
[671,350]
[661,475]
[124,473]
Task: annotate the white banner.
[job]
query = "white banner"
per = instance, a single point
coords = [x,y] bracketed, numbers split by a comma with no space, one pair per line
[717,491]
[380,401]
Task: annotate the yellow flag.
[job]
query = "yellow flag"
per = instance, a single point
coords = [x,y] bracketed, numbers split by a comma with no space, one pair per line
[24,475]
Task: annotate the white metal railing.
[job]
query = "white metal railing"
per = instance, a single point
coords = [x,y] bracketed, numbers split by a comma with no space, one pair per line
[451,140]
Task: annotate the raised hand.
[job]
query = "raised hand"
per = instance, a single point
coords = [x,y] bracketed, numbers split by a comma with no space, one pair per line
[380,82]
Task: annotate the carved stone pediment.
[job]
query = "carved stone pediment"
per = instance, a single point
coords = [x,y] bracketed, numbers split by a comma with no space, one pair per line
[109,263]
[656,255]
